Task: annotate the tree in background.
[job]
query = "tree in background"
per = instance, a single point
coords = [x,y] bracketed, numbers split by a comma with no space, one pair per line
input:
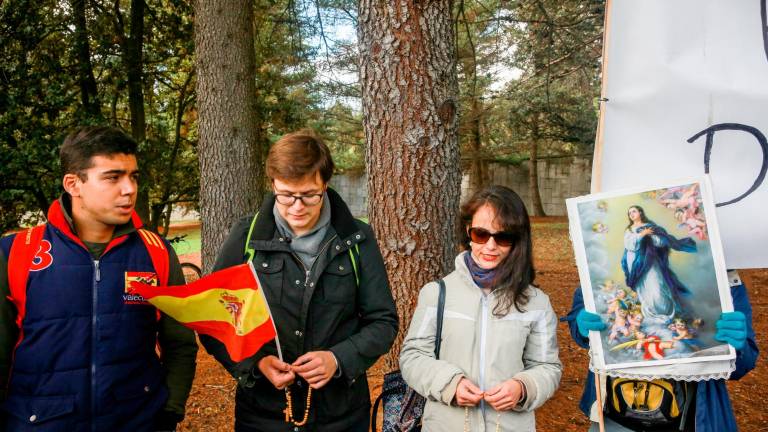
[558,47]
[66,64]
[410,107]
[528,74]
[230,160]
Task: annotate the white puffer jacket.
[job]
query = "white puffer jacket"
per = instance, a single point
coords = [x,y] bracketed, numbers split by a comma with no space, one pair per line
[485,349]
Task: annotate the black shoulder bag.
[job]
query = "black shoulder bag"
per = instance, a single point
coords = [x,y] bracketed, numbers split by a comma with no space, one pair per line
[403,407]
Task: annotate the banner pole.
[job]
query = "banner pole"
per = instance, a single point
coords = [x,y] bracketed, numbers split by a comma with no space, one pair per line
[598,390]
[597,159]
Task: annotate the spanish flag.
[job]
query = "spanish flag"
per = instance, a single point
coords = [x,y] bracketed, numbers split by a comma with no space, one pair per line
[228,305]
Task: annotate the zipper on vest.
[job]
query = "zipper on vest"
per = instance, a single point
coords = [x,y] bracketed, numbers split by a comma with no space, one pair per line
[94,335]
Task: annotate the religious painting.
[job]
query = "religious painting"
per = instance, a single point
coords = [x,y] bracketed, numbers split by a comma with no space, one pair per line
[651,265]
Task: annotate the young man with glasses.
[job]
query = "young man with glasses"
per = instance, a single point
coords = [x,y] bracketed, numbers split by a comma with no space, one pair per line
[324,279]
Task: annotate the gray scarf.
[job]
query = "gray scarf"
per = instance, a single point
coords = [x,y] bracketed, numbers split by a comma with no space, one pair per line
[307,245]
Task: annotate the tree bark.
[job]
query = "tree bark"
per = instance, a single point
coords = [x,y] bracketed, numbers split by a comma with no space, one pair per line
[537,209]
[133,61]
[231,175]
[410,100]
[88,91]
[477,171]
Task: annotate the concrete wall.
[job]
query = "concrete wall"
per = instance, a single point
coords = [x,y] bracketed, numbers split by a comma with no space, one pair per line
[559,178]
[354,189]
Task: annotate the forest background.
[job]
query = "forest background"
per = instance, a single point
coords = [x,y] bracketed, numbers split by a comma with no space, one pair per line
[528,80]
[421,92]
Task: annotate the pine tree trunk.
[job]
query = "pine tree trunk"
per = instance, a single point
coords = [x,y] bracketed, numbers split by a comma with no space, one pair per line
[537,209]
[133,59]
[88,91]
[477,171]
[410,100]
[231,176]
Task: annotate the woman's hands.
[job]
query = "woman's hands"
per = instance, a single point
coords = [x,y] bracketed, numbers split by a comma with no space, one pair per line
[503,397]
[468,394]
[506,395]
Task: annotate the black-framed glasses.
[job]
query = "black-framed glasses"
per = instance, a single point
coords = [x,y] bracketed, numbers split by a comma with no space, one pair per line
[482,235]
[308,200]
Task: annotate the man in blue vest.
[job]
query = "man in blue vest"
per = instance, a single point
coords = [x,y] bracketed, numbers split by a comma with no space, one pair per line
[79,351]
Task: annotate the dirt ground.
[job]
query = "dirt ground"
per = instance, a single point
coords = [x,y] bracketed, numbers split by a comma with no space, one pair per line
[210,406]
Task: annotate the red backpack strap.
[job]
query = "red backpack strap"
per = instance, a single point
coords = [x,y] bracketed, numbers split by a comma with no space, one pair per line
[158,252]
[25,251]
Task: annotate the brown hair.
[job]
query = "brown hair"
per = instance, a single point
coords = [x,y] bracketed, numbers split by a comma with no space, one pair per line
[515,273]
[82,144]
[643,218]
[299,154]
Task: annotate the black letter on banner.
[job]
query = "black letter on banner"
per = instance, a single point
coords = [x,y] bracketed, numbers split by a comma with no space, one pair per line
[764,19]
[710,131]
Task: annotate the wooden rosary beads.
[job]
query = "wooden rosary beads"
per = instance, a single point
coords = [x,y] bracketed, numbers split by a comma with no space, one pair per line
[466,420]
[289,408]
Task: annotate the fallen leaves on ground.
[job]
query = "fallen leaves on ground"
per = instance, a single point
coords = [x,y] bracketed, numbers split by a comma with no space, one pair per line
[211,403]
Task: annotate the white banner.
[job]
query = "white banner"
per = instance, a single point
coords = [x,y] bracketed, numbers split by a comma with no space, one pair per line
[686,83]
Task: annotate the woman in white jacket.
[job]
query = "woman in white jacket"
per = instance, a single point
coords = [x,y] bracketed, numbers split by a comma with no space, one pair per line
[498,357]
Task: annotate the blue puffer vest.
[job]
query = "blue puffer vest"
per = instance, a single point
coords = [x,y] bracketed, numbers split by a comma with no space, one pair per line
[86,358]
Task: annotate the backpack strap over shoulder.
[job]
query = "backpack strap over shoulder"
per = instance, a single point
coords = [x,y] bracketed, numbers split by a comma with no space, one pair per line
[158,252]
[439,318]
[354,257]
[25,252]
[249,252]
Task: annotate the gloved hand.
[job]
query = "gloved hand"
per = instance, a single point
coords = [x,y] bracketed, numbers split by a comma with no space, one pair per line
[586,321]
[732,329]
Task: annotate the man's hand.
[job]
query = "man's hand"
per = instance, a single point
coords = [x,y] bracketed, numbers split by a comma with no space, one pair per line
[505,396]
[276,371]
[467,394]
[316,367]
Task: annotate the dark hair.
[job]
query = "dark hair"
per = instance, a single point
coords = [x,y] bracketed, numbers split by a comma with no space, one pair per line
[299,154]
[84,143]
[516,272]
[643,218]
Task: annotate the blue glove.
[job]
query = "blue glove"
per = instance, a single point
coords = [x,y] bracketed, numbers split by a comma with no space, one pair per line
[732,329]
[587,321]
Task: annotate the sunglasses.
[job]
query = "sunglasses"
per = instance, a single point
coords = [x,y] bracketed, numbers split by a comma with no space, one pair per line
[482,235]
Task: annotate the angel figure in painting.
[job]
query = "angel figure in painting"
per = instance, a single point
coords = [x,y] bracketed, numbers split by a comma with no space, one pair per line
[652,346]
[646,267]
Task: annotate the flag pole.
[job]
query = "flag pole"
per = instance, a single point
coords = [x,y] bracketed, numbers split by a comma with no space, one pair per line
[261,293]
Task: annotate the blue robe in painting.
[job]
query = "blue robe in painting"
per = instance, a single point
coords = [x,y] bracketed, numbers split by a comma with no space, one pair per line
[646,270]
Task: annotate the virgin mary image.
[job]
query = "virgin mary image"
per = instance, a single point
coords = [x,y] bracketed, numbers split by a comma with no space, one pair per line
[646,267]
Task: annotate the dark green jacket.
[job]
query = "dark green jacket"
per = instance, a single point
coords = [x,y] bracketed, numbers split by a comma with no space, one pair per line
[323,309]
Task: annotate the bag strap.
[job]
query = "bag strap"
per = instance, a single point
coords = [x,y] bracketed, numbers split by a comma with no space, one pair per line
[439,319]
[158,253]
[354,262]
[438,336]
[249,252]
[26,245]
[375,411]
